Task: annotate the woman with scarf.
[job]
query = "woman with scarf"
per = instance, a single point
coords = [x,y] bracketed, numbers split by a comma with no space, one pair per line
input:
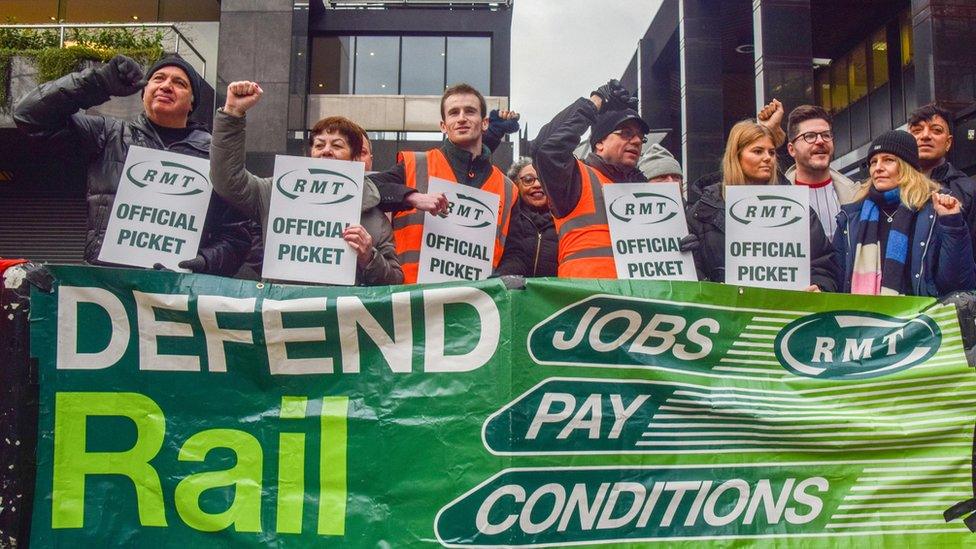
[750,159]
[901,237]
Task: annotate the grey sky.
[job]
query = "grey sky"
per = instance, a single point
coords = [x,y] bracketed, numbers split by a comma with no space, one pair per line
[563,49]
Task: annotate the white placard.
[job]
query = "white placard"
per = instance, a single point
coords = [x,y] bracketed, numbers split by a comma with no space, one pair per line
[767,236]
[159,209]
[312,201]
[461,245]
[647,223]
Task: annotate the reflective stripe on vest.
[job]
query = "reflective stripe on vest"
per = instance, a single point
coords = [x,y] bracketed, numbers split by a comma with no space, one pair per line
[585,249]
[408,225]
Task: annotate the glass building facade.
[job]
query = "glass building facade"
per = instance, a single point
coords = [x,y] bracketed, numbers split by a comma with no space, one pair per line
[398,65]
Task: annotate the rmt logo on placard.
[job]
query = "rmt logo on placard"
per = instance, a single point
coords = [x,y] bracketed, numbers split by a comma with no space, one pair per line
[166,177]
[768,211]
[855,345]
[468,211]
[644,208]
[317,186]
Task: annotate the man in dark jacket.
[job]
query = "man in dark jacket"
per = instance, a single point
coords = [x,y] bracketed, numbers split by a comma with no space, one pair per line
[50,113]
[932,127]
[575,188]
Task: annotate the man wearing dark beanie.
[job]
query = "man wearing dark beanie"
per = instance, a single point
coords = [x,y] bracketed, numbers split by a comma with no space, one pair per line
[575,187]
[51,113]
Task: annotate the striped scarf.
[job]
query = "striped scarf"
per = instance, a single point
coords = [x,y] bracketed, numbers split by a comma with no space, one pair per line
[872,274]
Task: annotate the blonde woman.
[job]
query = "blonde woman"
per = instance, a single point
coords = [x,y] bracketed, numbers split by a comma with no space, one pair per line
[901,237]
[750,159]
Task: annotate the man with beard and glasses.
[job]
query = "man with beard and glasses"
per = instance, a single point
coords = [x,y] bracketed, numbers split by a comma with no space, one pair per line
[810,141]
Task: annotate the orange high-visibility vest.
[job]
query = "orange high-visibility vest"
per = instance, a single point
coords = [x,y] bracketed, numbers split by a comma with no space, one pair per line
[585,249]
[408,225]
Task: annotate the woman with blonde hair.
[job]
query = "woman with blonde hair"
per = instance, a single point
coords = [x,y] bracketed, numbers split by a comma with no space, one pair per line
[750,159]
[901,236]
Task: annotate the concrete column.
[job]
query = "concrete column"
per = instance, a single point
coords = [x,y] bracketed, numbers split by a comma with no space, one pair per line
[945,67]
[256,44]
[700,52]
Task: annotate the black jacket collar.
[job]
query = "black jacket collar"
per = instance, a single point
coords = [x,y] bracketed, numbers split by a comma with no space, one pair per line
[617,174]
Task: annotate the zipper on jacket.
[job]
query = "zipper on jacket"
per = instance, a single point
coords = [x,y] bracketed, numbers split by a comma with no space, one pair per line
[921,263]
[538,249]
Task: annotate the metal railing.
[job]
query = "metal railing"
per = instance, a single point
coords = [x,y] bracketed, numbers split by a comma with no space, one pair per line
[63,27]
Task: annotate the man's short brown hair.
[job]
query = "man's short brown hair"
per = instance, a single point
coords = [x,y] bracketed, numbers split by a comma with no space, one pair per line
[464,89]
[348,129]
[802,114]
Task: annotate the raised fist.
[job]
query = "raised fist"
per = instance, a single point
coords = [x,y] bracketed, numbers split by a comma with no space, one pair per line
[121,76]
[241,96]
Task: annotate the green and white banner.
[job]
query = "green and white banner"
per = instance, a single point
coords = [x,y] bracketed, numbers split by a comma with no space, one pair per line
[187,410]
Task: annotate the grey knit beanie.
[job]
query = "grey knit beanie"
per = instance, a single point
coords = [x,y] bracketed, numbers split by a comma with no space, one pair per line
[656,161]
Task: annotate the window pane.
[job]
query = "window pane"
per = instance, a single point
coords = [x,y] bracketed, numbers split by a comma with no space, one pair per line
[108,11]
[331,64]
[469,60]
[879,59]
[189,10]
[377,63]
[821,82]
[907,39]
[858,71]
[422,67]
[29,11]
[838,84]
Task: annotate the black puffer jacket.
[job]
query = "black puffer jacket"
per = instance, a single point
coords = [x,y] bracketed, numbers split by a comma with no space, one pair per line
[962,187]
[706,218]
[50,113]
[532,247]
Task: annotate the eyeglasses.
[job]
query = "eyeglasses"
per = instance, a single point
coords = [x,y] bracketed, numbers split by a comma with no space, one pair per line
[528,179]
[811,137]
[627,135]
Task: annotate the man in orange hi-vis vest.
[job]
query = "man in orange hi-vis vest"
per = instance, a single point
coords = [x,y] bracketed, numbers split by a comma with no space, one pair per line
[463,158]
[575,188]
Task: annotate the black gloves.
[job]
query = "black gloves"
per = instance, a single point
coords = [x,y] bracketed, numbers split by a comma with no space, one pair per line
[121,76]
[197,265]
[615,97]
[689,243]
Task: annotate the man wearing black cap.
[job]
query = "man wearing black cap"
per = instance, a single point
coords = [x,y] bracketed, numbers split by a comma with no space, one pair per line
[170,93]
[575,188]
